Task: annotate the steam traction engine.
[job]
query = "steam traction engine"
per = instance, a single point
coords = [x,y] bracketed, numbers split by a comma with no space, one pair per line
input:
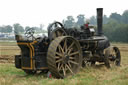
[64,50]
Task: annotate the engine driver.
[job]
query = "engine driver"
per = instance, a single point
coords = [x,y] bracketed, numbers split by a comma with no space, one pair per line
[87,30]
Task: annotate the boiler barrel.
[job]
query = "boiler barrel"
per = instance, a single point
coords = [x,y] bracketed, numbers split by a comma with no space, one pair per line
[95,45]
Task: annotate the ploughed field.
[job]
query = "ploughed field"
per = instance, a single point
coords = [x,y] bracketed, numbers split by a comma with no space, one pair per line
[95,75]
[7,51]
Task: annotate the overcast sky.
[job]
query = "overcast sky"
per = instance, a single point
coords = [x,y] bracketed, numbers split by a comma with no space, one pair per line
[36,12]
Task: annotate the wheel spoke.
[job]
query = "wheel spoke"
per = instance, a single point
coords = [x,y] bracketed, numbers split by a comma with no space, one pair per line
[59,60]
[59,54]
[70,45]
[85,62]
[64,71]
[57,57]
[73,62]
[65,45]
[60,47]
[61,66]
[71,58]
[70,50]
[69,68]
[66,55]
[112,51]
[58,66]
[74,53]
[66,68]
[69,64]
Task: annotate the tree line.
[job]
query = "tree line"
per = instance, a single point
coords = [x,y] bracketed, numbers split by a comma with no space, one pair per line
[115,26]
[17,28]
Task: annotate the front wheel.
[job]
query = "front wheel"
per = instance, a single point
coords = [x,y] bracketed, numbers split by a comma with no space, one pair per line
[113,57]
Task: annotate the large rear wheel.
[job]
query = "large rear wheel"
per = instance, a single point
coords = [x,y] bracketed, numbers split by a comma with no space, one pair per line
[64,56]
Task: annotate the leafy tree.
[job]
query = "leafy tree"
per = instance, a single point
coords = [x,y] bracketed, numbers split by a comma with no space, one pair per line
[125,17]
[80,20]
[70,22]
[105,19]
[18,28]
[93,20]
[112,23]
[2,29]
[36,29]
[8,29]
[116,17]
[41,27]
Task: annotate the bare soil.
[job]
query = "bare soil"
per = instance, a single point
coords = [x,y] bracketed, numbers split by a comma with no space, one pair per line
[6,59]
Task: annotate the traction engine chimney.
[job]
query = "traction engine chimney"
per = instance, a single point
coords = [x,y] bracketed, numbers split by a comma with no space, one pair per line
[99,21]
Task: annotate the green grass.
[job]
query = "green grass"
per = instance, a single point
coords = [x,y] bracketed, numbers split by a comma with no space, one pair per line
[9,75]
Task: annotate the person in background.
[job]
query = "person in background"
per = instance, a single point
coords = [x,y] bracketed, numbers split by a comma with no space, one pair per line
[87,30]
[86,25]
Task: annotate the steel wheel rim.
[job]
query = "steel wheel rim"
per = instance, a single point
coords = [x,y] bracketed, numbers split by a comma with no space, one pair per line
[117,56]
[65,60]
[115,53]
[66,57]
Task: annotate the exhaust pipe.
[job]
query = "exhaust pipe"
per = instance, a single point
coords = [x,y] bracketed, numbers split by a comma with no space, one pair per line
[99,21]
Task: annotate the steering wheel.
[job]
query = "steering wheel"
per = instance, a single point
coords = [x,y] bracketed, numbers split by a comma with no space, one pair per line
[56,29]
[29,33]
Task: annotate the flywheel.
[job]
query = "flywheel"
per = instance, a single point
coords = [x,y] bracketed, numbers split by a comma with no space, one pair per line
[55,30]
[64,56]
[57,33]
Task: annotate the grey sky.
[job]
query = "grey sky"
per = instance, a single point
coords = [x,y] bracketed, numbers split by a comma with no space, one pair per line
[35,12]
